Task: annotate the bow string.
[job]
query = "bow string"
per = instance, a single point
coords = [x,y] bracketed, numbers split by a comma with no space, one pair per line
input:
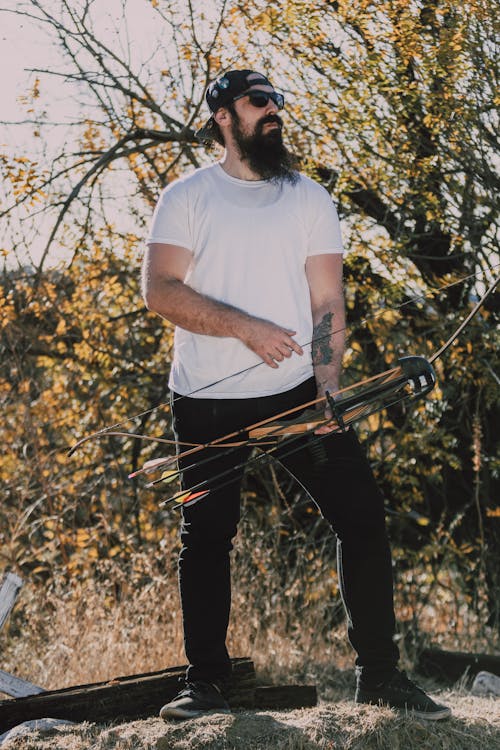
[413,378]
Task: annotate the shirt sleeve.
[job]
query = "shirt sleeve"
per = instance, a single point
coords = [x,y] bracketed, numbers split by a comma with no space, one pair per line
[324,227]
[170,222]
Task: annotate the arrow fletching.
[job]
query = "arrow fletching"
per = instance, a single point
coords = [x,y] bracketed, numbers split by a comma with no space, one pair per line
[167,477]
[152,465]
[186,498]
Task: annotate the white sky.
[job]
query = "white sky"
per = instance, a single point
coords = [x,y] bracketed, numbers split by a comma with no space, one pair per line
[24,44]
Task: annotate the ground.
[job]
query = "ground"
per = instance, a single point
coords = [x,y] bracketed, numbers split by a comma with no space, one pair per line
[339,725]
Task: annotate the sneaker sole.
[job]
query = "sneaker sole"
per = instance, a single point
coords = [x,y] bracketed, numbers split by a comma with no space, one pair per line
[441,713]
[184,713]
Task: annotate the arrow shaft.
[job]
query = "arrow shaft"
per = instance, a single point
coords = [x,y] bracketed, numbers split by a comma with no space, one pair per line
[205,484]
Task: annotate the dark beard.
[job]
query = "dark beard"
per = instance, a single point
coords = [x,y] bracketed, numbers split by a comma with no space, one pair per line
[265,153]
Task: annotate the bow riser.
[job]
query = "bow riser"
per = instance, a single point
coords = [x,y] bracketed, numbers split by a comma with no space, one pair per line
[413,379]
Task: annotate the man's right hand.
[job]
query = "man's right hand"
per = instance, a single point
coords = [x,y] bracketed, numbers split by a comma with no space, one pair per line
[270,342]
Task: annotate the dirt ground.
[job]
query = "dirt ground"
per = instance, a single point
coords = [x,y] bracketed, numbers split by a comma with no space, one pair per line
[338,725]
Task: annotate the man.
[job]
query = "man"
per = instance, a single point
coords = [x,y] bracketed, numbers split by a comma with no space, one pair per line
[245,258]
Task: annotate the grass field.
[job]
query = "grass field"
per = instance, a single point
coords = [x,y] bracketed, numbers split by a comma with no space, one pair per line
[81,634]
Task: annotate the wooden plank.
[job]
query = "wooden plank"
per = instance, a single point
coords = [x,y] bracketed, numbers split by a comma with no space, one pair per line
[450,666]
[141,696]
[16,687]
[132,697]
[9,590]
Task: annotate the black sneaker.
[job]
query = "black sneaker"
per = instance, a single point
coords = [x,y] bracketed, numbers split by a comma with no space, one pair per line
[400,692]
[196,699]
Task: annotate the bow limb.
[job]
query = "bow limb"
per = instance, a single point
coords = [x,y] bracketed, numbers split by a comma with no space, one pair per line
[456,333]
[413,378]
[414,375]
[98,435]
[270,421]
[272,428]
[111,429]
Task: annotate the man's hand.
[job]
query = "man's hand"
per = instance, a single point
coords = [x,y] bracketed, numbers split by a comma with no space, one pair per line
[326,428]
[270,342]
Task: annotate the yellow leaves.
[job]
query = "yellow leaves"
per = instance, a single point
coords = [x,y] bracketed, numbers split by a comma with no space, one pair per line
[421,520]
[269,19]
[35,91]
[61,347]
[7,309]
[61,327]
[92,137]
[24,387]
[23,175]
[82,537]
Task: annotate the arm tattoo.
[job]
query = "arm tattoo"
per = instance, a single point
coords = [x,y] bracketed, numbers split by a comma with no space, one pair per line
[322,352]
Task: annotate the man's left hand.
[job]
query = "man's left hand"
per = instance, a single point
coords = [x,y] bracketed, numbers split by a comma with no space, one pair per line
[332,425]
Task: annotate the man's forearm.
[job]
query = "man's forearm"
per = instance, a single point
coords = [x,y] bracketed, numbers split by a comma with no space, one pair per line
[187,308]
[197,313]
[328,344]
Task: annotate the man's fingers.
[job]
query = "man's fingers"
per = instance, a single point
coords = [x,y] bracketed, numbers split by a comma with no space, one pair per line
[292,343]
[272,343]
[268,359]
[325,429]
[283,348]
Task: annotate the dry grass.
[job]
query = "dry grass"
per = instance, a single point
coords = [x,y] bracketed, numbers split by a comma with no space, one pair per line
[118,622]
[330,726]
[121,623]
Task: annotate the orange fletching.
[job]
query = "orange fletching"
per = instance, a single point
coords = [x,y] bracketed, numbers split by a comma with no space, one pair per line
[190,498]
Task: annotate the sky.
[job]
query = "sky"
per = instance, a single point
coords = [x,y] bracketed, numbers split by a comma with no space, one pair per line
[24,44]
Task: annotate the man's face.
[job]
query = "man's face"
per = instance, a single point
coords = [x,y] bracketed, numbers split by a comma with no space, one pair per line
[256,132]
[258,120]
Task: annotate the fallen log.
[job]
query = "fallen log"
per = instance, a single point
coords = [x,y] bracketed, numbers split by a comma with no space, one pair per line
[280,697]
[142,696]
[450,666]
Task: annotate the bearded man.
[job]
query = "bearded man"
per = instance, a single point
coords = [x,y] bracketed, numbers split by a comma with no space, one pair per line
[245,258]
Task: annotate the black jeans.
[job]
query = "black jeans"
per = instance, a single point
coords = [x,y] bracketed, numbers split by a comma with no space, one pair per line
[336,474]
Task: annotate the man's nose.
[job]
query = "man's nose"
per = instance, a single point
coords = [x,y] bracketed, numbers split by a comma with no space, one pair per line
[271,107]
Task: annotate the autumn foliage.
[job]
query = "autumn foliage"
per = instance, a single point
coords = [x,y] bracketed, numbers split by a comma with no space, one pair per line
[391,105]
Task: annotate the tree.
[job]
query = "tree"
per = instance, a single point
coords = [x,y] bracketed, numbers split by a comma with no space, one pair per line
[391,106]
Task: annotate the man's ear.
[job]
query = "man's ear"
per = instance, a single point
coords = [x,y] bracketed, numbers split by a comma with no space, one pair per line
[222,117]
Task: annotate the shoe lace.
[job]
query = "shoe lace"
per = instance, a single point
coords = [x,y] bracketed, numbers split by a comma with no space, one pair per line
[192,688]
[403,682]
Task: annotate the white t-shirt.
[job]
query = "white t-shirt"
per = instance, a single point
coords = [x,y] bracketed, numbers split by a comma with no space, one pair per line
[249,241]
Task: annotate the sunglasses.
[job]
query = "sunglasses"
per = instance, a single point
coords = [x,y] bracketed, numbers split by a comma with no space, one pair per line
[261,98]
